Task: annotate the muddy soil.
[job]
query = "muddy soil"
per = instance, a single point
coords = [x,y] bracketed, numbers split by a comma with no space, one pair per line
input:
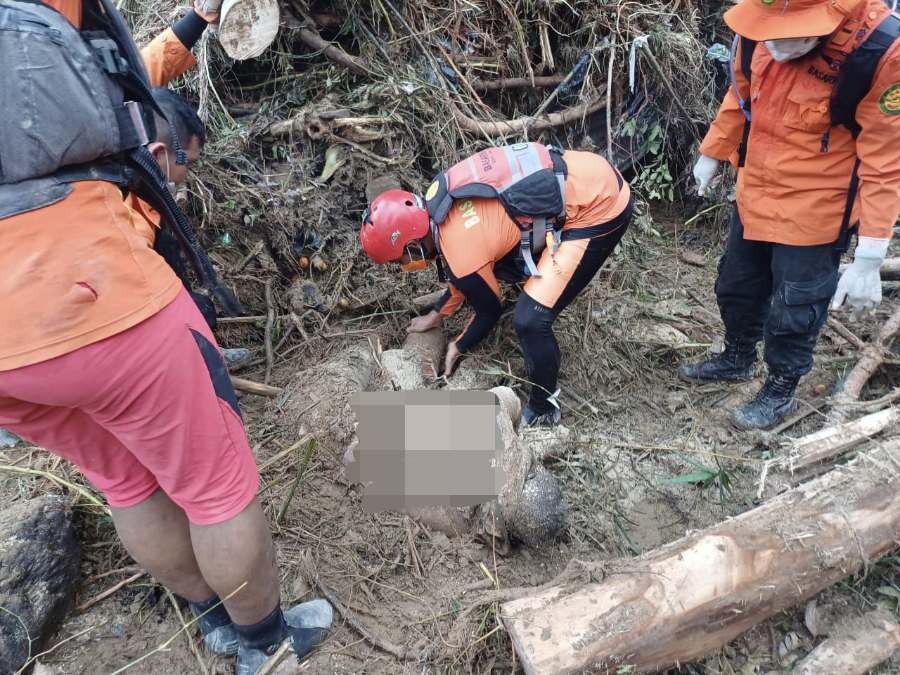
[636,432]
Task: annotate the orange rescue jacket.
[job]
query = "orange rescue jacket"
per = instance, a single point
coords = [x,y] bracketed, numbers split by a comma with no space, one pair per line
[790,191]
[84,269]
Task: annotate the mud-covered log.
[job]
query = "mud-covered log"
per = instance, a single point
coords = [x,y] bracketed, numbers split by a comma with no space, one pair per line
[688,598]
[856,648]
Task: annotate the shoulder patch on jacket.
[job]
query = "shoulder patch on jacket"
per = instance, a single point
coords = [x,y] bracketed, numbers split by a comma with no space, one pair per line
[890,100]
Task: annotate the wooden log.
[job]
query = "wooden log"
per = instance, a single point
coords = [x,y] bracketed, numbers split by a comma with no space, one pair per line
[805,456]
[430,347]
[688,598]
[248,27]
[251,387]
[856,649]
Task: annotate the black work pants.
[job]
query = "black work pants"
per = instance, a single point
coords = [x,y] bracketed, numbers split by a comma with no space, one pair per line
[533,321]
[778,293]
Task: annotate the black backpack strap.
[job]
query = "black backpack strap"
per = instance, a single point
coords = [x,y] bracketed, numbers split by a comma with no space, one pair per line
[858,72]
[747,49]
[854,83]
[151,187]
[846,232]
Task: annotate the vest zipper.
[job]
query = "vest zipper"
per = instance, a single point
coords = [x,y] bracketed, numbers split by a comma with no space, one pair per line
[826,137]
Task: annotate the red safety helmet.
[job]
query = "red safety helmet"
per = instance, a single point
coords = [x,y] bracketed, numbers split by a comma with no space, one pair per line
[395,218]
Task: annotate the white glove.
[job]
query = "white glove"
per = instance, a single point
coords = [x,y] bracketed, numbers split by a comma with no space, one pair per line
[860,283]
[705,170]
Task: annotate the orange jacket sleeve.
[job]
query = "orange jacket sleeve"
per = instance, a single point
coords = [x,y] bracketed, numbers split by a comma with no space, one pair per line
[453,303]
[166,58]
[877,148]
[724,135]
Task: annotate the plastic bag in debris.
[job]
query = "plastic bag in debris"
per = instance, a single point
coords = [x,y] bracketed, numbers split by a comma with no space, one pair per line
[718,52]
[8,440]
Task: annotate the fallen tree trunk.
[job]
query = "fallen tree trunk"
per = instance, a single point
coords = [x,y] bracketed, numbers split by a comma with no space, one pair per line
[690,597]
[809,455]
[871,358]
[855,650]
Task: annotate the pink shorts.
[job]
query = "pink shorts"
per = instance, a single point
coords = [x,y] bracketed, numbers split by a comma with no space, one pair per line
[150,408]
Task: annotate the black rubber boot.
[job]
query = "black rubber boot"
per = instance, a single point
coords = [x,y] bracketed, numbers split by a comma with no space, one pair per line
[532,418]
[215,626]
[736,364]
[305,625]
[772,404]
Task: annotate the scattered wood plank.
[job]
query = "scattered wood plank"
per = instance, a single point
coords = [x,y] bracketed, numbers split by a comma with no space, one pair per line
[685,599]
[856,649]
[807,456]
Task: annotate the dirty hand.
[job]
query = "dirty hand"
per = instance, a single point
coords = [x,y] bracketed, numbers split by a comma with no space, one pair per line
[860,284]
[204,11]
[705,170]
[425,323]
[451,359]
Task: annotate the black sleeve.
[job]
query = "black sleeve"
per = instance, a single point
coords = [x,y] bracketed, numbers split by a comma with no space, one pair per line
[189,28]
[439,305]
[486,306]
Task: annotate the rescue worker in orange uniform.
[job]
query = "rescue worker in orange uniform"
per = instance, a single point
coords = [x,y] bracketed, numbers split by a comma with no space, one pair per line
[810,165]
[106,361]
[479,245]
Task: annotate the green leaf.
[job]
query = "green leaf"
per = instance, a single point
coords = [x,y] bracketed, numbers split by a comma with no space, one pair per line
[701,476]
[890,591]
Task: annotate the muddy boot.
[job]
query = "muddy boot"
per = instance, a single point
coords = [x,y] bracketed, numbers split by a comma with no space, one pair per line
[305,625]
[215,626]
[736,364]
[533,418]
[772,404]
[235,358]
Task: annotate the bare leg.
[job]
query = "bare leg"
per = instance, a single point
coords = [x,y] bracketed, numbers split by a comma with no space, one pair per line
[157,535]
[240,552]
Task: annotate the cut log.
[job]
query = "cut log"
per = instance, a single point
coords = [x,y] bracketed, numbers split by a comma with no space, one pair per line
[688,598]
[430,347]
[248,27]
[857,648]
[808,456]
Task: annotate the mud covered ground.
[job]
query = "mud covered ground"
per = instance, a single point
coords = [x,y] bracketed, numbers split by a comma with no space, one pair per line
[650,459]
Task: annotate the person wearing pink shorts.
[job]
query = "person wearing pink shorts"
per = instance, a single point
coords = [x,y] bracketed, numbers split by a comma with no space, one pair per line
[107,361]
